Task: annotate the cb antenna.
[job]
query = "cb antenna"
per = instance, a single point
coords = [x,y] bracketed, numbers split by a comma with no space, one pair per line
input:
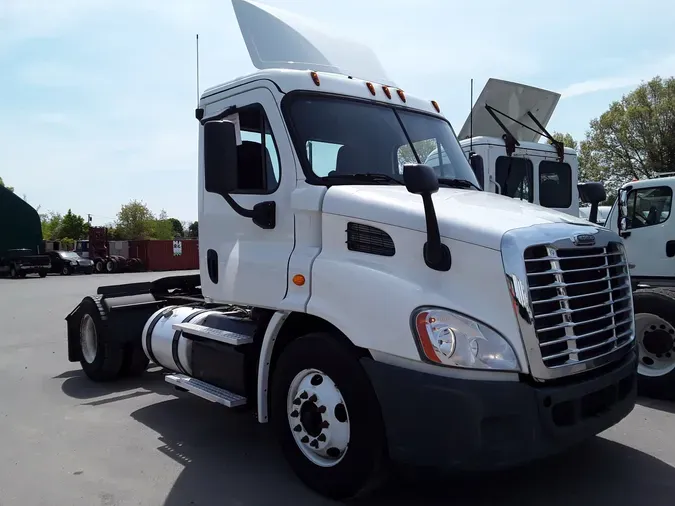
[197,40]
[471,121]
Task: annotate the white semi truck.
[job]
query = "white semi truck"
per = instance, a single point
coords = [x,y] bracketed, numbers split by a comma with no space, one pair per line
[354,307]
[642,215]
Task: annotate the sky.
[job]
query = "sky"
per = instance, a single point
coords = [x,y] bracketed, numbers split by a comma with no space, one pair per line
[97,97]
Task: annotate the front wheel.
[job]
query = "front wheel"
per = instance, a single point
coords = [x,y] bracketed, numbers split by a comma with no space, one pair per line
[42,274]
[327,418]
[65,270]
[655,335]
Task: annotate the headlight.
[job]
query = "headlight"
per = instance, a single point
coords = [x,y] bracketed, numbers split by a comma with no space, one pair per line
[450,339]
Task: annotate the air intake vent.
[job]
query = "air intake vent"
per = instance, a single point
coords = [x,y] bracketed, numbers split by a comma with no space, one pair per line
[367,239]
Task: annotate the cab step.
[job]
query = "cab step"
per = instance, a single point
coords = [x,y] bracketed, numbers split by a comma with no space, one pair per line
[205,390]
[223,336]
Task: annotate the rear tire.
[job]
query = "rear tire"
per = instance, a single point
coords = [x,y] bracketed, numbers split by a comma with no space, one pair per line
[356,427]
[13,273]
[655,334]
[100,359]
[43,274]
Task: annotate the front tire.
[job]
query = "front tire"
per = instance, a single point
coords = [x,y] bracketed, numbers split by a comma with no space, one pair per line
[65,270]
[655,334]
[100,359]
[327,419]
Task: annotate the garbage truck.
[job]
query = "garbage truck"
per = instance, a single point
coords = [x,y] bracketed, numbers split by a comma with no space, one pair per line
[372,312]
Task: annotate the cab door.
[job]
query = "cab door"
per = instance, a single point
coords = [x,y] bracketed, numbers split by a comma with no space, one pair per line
[649,237]
[240,261]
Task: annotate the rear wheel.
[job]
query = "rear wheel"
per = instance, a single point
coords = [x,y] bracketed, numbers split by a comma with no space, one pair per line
[655,334]
[13,272]
[98,266]
[100,359]
[327,418]
[43,274]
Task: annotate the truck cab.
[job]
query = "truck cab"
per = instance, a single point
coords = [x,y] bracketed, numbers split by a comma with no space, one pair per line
[503,131]
[349,294]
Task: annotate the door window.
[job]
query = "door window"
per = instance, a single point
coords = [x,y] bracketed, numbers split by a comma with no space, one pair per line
[648,206]
[258,166]
[514,177]
[555,184]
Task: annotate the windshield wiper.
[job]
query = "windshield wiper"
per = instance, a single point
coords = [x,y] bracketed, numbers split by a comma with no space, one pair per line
[457,183]
[368,176]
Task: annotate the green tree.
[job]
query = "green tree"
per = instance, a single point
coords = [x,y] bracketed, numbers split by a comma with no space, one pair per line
[423,149]
[635,137]
[194,229]
[135,221]
[177,227]
[163,227]
[2,183]
[72,226]
[51,225]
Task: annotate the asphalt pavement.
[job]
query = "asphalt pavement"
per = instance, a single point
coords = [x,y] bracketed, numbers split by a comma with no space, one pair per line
[65,441]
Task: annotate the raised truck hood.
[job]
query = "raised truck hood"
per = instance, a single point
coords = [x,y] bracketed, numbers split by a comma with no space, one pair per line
[480,218]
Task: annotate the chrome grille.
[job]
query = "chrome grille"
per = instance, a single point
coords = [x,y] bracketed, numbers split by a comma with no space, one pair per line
[581,302]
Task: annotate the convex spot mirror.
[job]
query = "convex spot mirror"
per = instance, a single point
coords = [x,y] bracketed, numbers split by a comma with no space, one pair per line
[419,179]
[592,192]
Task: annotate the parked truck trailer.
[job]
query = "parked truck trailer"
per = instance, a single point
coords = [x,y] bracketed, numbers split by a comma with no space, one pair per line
[354,304]
[20,238]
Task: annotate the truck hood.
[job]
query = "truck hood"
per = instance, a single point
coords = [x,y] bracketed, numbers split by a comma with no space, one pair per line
[475,217]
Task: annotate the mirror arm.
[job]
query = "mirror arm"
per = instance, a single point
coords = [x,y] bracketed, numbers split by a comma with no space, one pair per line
[436,254]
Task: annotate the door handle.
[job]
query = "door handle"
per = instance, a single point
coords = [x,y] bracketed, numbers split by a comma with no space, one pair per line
[670,249]
[212,265]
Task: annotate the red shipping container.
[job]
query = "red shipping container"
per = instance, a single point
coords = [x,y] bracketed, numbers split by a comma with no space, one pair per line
[182,254]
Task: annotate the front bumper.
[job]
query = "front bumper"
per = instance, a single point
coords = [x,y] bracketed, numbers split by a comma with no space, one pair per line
[468,425]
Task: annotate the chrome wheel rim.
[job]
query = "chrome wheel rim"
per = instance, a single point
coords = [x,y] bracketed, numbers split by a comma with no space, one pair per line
[318,418]
[656,345]
[88,339]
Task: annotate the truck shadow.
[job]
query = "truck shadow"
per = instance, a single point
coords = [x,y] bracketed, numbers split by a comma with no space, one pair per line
[227,457]
[78,386]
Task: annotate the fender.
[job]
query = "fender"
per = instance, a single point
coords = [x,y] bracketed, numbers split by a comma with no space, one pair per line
[276,323]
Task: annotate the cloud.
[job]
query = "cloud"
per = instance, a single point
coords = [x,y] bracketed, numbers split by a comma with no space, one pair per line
[634,76]
[99,105]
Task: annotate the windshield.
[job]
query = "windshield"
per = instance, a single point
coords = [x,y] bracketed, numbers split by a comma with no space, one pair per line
[68,254]
[345,137]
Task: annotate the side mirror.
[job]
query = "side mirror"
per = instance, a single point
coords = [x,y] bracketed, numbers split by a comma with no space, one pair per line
[220,157]
[421,180]
[477,166]
[622,211]
[592,192]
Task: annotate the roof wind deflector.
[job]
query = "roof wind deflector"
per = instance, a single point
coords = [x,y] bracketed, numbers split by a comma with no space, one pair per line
[277,39]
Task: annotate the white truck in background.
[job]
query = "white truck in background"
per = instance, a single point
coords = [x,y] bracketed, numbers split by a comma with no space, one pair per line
[502,137]
[642,215]
[352,306]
